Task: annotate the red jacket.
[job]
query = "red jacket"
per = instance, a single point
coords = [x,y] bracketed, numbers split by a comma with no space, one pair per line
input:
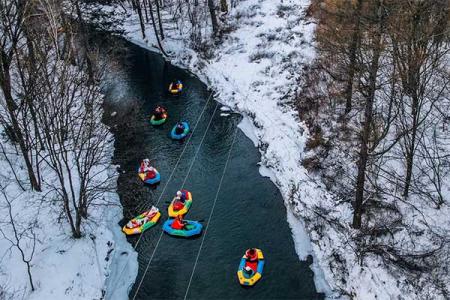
[177,224]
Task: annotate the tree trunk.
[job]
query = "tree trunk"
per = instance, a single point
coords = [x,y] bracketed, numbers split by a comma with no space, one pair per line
[5,84]
[212,12]
[352,57]
[77,232]
[145,11]
[224,6]
[158,11]
[365,133]
[137,4]
[412,147]
[156,31]
[90,68]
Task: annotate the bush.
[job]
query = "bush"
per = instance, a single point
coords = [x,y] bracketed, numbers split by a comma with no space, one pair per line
[261,54]
[316,140]
[312,164]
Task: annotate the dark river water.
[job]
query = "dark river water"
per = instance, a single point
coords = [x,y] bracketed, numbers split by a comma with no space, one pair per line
[249,211]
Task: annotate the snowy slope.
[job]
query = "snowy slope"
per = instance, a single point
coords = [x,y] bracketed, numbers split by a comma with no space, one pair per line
[61,267]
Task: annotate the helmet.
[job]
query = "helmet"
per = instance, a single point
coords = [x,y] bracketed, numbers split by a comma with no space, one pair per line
[146,160]
[179,194]
[247,268]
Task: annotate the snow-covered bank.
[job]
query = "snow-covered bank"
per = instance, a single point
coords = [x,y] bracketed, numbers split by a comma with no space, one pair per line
[61,267]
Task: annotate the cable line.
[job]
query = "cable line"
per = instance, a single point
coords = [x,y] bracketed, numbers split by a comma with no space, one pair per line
[184,182]
[173,172]
[212,211]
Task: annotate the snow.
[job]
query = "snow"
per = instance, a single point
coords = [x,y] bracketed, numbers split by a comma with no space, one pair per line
[63,267]
[124,269]
[248,129]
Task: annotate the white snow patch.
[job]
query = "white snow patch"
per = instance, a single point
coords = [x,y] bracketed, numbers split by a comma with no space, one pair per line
[248,129]
[266,172]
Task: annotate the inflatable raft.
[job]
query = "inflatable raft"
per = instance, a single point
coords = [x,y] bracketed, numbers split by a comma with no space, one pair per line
[175,88]
[147,178]
[255,266]
[192,228]
[175,136]
[175,209]
[155,122]
[148,219]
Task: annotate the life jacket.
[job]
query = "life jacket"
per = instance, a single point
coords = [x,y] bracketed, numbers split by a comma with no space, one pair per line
[159,113]
[179,129]
[150,214]
[150,175]
[250,257]
[177,205]
[135,224]
[177,224]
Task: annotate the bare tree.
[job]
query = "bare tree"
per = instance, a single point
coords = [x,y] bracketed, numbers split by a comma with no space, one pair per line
[137,6]
[352,52]
[155,30]
[22,238]
[417,53]
[212,12]
[372,71]
[158,12]
[75,138]
[11,18]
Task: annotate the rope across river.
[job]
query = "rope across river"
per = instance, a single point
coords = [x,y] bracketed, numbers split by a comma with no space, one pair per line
[184,182]
[212,211]
[173,171]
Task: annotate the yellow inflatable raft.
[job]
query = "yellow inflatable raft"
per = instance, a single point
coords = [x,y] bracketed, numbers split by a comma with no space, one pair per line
[173,212]
[254,267]
[144,220]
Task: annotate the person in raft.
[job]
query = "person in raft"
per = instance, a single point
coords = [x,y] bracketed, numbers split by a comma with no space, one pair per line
[150,172]
[136,223]
[180,197]
[179,129]
[176,84]
[159,112]
[179,200]
[178,223]
[251,254]
[248,270]
[150,214]
[139,222]
[145,165]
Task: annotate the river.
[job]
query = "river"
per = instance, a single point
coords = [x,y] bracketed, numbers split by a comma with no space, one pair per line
[249,211]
